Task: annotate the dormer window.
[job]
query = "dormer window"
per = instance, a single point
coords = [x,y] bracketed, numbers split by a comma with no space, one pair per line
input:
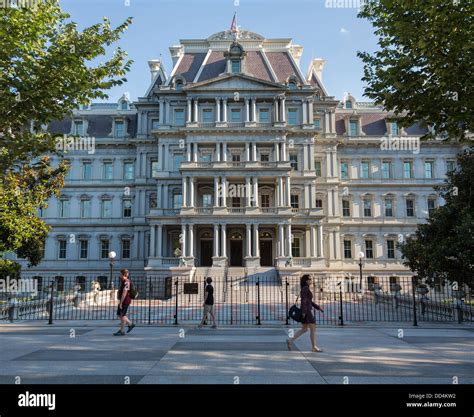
[348,104]
[235,56]
[235,66]
[292,85]
[124,105]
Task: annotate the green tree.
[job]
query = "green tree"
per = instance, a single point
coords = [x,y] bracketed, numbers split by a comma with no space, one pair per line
[423,68]
[46,72]
[443,246]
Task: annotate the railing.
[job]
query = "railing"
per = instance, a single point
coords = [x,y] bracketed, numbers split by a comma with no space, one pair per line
[206,124]
[236,210]
[245,299]
[235,124]
[269,210]
[300,211]
[203,210]
[169,261]
[171,212]
[301,261]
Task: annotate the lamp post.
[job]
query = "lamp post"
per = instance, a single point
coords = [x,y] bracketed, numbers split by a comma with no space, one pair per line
[112,256]
[361,256]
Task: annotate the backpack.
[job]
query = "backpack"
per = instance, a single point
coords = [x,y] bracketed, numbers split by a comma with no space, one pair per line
[133,291]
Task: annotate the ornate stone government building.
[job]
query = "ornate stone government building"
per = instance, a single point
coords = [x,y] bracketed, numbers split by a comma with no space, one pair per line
[239,162]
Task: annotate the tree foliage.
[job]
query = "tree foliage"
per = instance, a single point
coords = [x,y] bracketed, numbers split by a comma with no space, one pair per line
[46,72]
[443,247]
[423,68]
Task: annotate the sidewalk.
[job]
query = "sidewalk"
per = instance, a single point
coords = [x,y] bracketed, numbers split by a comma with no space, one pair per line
[430,354]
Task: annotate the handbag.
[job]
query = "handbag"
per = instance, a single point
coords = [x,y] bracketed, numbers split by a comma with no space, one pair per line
[295,313]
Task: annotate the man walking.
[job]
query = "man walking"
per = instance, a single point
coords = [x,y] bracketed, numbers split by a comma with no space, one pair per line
[209,304]
[123,295]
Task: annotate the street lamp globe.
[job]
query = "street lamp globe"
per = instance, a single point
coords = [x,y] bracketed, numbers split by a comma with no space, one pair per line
[361,255]
[112,255]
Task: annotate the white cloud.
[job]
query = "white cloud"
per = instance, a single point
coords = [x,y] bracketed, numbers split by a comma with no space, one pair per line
[343,31]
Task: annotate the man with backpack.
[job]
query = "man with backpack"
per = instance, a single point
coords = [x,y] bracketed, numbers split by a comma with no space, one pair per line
[125,294]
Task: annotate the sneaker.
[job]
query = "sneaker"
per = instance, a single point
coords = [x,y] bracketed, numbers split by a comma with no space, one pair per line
[130,328]
[119,333]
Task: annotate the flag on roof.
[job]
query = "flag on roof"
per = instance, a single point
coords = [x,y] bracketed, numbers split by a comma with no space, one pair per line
[233,27]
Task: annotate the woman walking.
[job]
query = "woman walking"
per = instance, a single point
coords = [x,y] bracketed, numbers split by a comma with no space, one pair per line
[308,319]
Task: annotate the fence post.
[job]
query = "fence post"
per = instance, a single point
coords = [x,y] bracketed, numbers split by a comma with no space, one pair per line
[51,304]
[341,315]
[286,301]
[415,322]
[258,301]
[231,312]
[176,307]
[149,300]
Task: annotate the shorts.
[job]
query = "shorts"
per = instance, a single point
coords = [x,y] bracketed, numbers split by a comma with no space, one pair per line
[208,308]
[122,311]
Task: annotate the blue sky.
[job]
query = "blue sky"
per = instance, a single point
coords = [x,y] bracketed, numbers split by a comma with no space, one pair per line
[335,34]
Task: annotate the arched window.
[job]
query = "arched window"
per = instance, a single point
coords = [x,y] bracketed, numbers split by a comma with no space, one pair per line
[179,85]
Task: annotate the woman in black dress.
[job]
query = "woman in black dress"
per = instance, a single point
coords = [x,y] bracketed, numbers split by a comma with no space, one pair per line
[309,321]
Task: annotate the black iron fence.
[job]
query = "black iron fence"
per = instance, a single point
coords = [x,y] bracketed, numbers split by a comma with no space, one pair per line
[252,300]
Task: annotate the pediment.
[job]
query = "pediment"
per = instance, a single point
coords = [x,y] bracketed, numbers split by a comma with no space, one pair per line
[235,81]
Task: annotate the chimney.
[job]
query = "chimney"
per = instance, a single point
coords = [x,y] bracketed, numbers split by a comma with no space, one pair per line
[155,65]
[318,65]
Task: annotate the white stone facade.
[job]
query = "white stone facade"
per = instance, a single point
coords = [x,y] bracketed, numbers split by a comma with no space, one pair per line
[237,160]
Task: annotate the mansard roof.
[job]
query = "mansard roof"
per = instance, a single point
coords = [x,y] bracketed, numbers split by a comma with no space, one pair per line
[274,60]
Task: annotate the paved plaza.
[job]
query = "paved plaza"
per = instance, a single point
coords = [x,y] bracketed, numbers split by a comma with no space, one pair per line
[429,354]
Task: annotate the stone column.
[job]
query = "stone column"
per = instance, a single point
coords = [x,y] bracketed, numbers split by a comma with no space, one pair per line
[247,109]
[254,109]
[288,192]
[248,192]
[254,151]
[189,115]
[276,112]
[223,241]
[255,191]
[249,240]
[283,152]
[281,241]
[310,111]
[161,166]
[320,242]
[166,158]
[218,152]
[195,152]
[247,152]
[312,197]
[305,111]
[188,152]
[196,110]
[224,192]
[218,110]
[216,240]
[305,157]
[224,119]
[281,193]
[191,191]
[224,152]
[256,242]
[216,192]
[162,111]
[152,240]
[283,110]
[288,239]
[159,201]
[327,122]
[191,240]
[276,152]
[184,237]
[159,241]
[277,193]
[185,191]
[165,196]
[168,112]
